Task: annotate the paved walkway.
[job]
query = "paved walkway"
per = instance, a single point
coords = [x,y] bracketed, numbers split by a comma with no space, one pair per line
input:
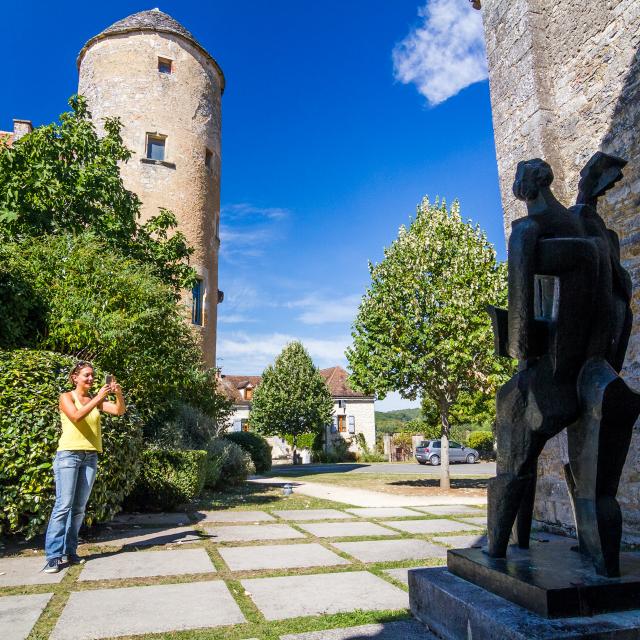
[365,497]
[288,574]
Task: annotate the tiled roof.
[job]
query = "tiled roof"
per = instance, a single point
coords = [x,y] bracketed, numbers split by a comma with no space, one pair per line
[153,20]
[335,377]
[6,137]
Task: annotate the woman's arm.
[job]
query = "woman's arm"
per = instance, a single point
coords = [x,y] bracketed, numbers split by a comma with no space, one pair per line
[118,407]
[72,412]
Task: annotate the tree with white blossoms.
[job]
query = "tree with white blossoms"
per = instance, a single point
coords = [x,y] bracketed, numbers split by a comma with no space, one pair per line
[422,328]
[292,397]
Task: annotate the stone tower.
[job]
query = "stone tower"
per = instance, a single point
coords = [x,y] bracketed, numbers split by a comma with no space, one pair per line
[565,83]
[149,71]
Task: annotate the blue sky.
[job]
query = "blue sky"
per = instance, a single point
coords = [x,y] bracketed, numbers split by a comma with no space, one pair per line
[338,117]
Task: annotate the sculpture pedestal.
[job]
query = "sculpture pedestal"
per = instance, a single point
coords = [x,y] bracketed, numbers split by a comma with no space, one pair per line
[560,590]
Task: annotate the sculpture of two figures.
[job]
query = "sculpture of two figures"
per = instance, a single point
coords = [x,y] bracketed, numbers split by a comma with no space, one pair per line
[568,324]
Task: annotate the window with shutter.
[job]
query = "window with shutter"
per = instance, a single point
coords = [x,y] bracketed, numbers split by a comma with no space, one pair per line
[334,425]
[352,424]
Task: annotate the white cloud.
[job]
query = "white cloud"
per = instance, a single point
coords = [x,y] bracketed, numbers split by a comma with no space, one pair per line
[246,210]
[322,309]
[241,353]
[246,230]
[445,53]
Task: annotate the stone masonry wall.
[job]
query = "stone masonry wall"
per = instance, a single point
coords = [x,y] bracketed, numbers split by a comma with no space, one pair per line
[119,77]
[565,83]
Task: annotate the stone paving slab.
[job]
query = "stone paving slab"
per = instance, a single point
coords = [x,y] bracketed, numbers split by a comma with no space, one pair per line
[383,512]
[401,575]
[407,630]
[18,614]
[104,613]
[326,593]
[25,570]
[480,521]
[157,519]
[234,516]
[346,529]
[439,525]
[391,550]
[286,556]
[144,564]
[146,537]
[300,515]
[251,532]
[449,509]
[462,542]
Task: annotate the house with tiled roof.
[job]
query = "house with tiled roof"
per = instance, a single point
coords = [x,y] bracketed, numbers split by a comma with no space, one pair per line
[20,128]
[353,412]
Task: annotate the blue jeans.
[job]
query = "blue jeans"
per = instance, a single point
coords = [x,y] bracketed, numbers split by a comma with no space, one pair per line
[74,473]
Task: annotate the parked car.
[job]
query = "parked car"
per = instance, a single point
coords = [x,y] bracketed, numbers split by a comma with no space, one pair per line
[429,451]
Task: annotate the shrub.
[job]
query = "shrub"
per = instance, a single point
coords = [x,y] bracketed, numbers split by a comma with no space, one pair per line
[236,462]
[256,446]
[167,478]
[338,452]
[190,428]
[30,384]
[365,454]
[482,441]
[98,301]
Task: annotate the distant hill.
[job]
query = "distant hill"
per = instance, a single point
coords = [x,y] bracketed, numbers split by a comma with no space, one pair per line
[391,421]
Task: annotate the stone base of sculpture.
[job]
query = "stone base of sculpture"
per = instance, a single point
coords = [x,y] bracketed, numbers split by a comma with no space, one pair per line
[563,595]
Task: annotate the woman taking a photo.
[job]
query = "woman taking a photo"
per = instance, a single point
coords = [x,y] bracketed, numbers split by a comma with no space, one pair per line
[76,461]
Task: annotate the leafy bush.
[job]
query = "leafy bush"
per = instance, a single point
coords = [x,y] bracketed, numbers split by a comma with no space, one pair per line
[305,440]
[482,441]
[167,478]
[30,384]
[338,452]
[190,428]
[365,454]
[99,302]
[256,446]
[236,462]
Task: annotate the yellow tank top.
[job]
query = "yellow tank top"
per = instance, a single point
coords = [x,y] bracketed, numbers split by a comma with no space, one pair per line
[86,434]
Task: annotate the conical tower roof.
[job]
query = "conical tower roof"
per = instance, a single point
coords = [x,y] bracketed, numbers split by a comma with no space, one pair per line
[152,20]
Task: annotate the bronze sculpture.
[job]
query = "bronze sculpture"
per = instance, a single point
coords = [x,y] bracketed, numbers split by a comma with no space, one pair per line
[568,325]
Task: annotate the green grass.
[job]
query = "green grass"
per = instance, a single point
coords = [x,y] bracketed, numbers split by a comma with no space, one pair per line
[249,496]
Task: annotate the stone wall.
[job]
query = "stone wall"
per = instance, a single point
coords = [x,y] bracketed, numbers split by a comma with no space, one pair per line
[565,82]
[119,77]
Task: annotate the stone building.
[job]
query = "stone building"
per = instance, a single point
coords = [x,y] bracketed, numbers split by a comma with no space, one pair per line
[148,70]
[565,82]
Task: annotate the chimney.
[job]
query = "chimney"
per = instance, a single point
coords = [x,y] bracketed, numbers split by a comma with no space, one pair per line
[21,128]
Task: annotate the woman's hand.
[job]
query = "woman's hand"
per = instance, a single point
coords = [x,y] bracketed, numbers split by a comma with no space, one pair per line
[104,391]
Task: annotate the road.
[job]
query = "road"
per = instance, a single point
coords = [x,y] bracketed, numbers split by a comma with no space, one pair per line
[409,468]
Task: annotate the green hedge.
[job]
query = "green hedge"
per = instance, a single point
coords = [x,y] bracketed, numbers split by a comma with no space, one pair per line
[233,463]
[256,446]
[167,478]
[482,441]
[30,385]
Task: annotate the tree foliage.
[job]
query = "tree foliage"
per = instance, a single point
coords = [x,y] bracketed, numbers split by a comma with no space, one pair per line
[422,328]
[112,309]
[63,178]
[292,397]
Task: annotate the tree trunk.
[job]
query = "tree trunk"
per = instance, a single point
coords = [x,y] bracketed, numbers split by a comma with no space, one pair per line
[295,439]
[445,477]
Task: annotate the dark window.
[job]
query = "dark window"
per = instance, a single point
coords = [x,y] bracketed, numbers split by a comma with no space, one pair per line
[196,305]
[454,445]
[164,65]
[207,158]
[155,147]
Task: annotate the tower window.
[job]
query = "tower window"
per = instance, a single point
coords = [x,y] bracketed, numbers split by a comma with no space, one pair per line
[196,303]
[207,158]
[155,147]
[165,65]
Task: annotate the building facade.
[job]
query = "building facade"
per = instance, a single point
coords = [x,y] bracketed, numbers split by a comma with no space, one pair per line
[149,71]
[565,82]
[353,412]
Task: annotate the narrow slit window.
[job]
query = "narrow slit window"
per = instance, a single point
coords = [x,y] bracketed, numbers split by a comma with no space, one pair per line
[165,65]
[207,158]
[155,147]
[196,303]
